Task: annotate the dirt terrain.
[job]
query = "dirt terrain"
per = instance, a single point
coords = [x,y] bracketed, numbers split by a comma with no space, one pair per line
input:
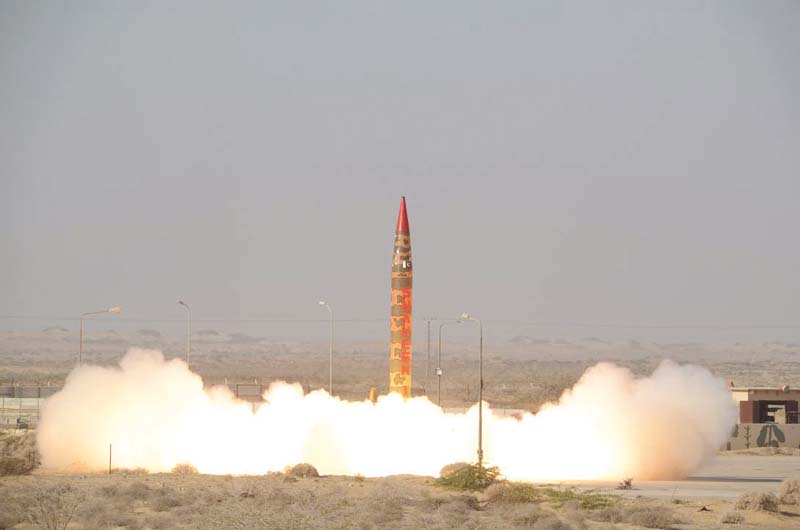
[160,501]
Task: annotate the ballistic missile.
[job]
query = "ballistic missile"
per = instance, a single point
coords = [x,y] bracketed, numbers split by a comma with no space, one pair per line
[400,320]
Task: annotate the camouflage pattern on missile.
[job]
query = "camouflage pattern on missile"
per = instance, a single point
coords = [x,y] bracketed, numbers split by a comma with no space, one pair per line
[402,278]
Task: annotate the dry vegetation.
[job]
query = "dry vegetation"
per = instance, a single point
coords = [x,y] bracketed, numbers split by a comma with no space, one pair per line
[288,501]
[18,454]
[759,502]
[196,501]
[732,517]
[789,492]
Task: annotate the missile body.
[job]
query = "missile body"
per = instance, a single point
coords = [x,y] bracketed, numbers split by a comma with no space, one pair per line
[402,280]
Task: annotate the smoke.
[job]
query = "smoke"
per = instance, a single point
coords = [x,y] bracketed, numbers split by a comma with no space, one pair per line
[156,414]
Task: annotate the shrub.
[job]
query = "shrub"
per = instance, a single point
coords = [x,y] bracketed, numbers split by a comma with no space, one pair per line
[100,515]
[626,484]
[17,454]
[732,518]
[554,523]
[512,493]
[280,498]
[449,469]
[528,515]
[759,502]
[303,471]
[470,478]
[15,466]
[130,471]
[468,502]
[184,469]
[383,509]
[432,502]
[53,508]
[136,490]
[790,491]
[651,517]
[612,514]
[165,499]
[509,492]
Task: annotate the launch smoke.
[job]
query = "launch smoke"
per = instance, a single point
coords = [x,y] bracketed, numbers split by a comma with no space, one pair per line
[157,414]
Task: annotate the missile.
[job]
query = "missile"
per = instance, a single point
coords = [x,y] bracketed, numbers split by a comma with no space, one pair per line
[400,320]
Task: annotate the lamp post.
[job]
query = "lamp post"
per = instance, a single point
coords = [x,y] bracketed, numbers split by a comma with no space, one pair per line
[330,347]
[439,357]
[466,316]
[116,310]
[188,328]
[428,360]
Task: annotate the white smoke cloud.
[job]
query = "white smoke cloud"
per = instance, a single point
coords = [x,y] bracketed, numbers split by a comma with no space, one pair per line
[156,414]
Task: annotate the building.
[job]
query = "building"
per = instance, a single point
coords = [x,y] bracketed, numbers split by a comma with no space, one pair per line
[767,405]
[768,417]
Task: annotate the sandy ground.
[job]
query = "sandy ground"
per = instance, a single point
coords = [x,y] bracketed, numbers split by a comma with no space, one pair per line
[724,477]
[277,501]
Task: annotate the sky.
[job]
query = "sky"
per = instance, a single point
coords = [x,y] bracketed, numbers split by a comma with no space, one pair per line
[571,168]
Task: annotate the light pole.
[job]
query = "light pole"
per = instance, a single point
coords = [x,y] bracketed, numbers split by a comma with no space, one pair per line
[188,328]
[439,356]
[428,361]
[116,310]
[330,347]
[466,316]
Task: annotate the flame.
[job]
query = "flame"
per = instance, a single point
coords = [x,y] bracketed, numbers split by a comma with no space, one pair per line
[156,414]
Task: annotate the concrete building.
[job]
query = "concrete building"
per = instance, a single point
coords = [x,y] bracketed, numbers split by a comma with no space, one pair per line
[767,405]
[768,417]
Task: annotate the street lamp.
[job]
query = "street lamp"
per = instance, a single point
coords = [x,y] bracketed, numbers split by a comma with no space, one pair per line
[116,310]
[466,316]
[330,347]
[188,328]
[428,321]
[439,356]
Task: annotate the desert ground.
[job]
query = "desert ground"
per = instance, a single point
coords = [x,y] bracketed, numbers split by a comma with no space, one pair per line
[132,500]
[755,489]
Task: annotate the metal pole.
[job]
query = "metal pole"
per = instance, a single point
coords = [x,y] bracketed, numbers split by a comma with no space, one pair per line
[439,364]
[80,347]
[109,459]
[188,328]
[466,316]
[428,362]
[115,310]
[330,354]
[188,333]
[480,399]
[330,347]
[439,358]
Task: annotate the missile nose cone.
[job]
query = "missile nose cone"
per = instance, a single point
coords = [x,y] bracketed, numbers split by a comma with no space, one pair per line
[402,217]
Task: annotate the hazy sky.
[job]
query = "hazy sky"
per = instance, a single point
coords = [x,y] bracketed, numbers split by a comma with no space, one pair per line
[623,163]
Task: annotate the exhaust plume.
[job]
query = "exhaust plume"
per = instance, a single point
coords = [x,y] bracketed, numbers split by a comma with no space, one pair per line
[156,414]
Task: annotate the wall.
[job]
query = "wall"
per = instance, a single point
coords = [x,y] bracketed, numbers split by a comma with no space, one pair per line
[750,435]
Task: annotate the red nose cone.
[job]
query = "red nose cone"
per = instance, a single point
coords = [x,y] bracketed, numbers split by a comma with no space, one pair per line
[402,217]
